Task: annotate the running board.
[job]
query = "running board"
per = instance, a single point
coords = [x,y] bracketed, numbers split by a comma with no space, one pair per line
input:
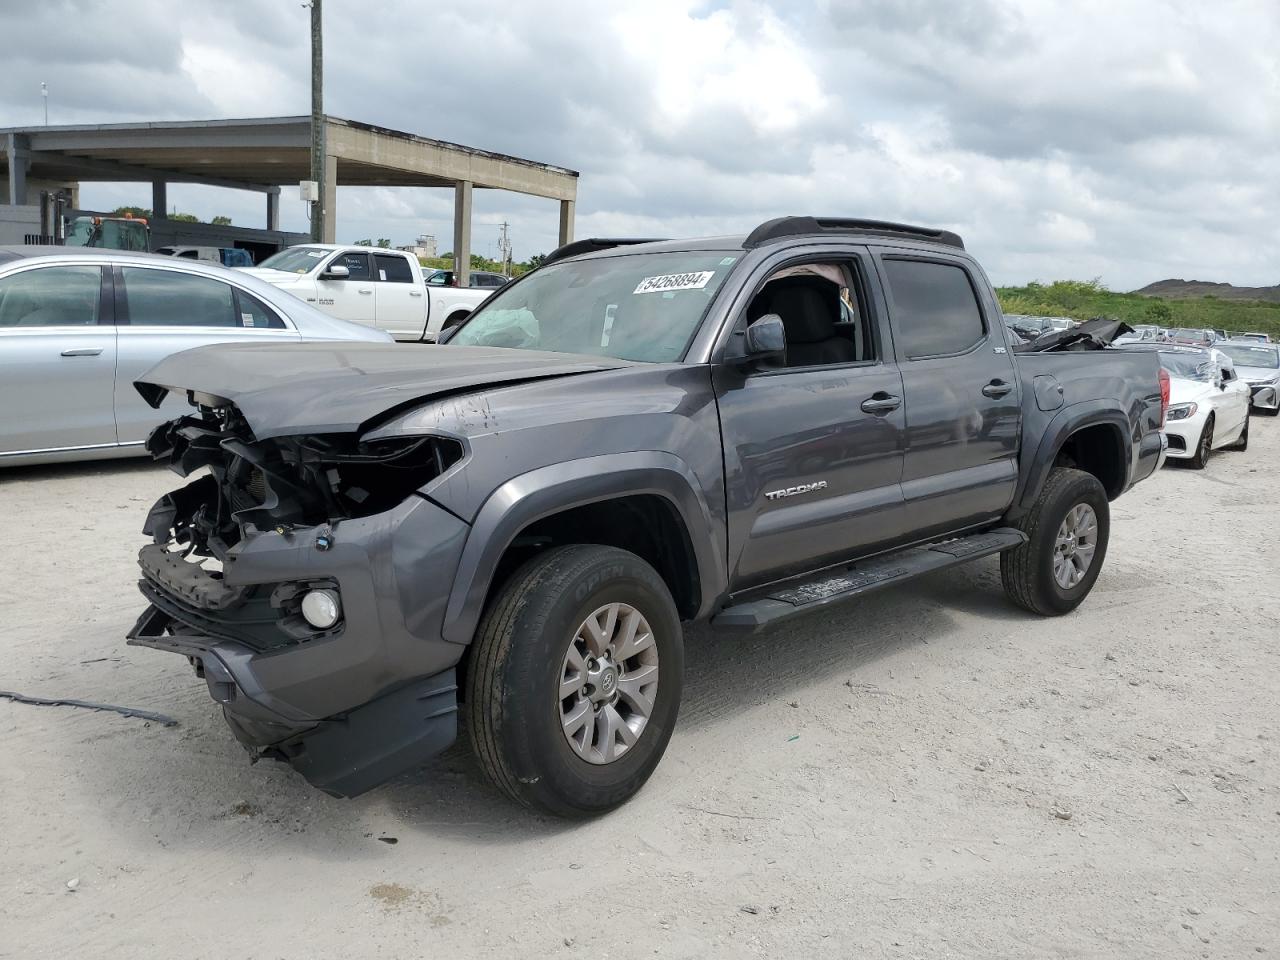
[857,579]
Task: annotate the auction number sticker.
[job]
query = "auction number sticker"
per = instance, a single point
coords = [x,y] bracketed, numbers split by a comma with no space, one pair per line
[675,281]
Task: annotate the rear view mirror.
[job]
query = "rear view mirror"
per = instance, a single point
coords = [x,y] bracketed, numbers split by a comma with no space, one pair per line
[335,272]
[766,338]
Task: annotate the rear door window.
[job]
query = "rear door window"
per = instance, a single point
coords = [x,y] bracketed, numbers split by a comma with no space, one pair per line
[51,297]
[392,269]
[167,298]
[935,308]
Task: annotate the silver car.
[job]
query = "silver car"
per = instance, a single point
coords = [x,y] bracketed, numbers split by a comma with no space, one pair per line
[1258,365]
[77,327]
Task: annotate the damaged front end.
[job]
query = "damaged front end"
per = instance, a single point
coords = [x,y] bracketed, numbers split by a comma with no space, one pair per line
[304,578]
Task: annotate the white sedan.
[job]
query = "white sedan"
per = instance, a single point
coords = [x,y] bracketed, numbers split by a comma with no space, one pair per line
[79,325]
[1208,404]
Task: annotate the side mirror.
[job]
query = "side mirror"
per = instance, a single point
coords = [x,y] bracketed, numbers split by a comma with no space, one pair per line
[335,271]
[766,338]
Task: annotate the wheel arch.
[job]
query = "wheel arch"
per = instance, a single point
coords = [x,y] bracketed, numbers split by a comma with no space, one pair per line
[648,502]
[1093,437]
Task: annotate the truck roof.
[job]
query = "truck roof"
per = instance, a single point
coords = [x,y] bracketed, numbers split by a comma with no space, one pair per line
[771,231]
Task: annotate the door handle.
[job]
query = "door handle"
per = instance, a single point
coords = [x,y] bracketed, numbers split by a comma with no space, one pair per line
[364,291]
[415,293]
[996,389]
[82,352]
[881,402]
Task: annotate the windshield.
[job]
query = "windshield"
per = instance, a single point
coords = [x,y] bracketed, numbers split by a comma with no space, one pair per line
[1184,334]
[296,259]
[1190,366]
[634,307]
[81,232]
[1247,356]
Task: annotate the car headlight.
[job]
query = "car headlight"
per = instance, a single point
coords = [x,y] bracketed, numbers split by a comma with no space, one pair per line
[1181,411]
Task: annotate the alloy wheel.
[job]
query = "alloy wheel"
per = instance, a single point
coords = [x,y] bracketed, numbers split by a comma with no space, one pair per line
[608,683]
[1074,546]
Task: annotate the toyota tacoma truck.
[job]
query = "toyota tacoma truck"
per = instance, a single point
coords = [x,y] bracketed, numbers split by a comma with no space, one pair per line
[509,531]
[372,285]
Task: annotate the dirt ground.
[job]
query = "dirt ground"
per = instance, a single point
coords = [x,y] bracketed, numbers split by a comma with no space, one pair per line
[925,773]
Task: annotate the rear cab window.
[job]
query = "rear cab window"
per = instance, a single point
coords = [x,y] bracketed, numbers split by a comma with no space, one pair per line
[392,269]
[935,308]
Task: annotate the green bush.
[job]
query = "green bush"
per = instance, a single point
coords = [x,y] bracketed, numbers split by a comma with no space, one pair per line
[1082,299]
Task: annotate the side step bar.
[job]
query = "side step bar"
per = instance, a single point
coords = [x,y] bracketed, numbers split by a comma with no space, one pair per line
[855,580]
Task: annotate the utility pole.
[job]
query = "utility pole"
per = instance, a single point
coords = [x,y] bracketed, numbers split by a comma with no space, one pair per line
[318,211]
[44,93]
[504,249]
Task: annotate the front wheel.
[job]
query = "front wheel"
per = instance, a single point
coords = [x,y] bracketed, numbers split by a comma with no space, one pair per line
[575,678]
[1067,532]
[1204,446]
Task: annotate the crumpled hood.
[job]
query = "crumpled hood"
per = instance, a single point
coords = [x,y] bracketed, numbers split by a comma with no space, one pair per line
[300,388]
[278,277]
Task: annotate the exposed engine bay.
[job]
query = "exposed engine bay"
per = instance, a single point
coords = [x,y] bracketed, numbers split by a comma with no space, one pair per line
[281,482]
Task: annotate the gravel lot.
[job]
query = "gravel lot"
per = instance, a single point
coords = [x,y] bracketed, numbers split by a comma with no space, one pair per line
[926,773]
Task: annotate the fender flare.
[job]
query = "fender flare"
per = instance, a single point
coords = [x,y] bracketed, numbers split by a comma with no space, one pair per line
[562,486]
[1089,413]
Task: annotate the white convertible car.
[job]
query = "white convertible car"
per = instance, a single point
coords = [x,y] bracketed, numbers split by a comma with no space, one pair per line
[1208,403]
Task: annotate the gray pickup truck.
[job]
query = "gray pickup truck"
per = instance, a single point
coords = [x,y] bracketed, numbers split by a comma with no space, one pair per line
[639,434]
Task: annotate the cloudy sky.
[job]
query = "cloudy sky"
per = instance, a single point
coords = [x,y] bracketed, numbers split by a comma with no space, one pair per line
[1127,139]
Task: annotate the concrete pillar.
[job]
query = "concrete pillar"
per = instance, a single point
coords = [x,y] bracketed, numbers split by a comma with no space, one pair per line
[273,208]
[330,199]
[16,154]
[159,200]
[566,221]
[462,233]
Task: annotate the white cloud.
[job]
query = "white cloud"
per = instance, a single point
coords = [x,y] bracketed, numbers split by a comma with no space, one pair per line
[1062,138]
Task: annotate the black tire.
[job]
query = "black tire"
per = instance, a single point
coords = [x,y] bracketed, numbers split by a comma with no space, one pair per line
[516,667]
[1204,446]
[1027,571]
[1243,442]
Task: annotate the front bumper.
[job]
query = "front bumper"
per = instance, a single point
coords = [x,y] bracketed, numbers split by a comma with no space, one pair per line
[1183,436]
[1264,396]
[349,707]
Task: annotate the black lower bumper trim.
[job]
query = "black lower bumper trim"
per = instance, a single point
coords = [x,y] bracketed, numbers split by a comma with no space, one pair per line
[395,733]
[345,755]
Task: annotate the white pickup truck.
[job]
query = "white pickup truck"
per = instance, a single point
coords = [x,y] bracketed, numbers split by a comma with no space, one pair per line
[372,285]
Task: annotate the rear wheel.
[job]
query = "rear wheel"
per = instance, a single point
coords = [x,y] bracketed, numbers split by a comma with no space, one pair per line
[1067,532]
[1204,446]
[575,679]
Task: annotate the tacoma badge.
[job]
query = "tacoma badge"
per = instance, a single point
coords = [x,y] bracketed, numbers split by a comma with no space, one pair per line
[799,488]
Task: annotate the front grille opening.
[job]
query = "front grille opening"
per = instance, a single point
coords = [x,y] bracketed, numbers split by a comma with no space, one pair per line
[282,481]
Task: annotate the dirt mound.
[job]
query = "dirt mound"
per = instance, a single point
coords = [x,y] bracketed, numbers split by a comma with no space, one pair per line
[1186,289]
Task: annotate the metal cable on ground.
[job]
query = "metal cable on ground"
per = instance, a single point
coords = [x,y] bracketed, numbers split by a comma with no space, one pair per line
[88,705]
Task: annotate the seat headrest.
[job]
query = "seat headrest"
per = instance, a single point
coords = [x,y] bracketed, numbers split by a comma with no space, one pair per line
[808,307]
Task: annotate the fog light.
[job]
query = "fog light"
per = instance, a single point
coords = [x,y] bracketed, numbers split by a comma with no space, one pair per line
[321,608]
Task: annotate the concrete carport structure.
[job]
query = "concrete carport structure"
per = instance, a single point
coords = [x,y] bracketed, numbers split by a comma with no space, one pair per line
[262,154]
